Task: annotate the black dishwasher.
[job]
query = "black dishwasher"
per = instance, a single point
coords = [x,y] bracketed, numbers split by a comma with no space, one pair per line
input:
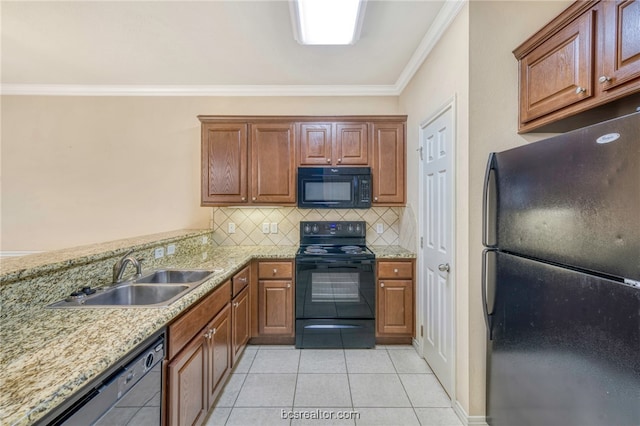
[130,395]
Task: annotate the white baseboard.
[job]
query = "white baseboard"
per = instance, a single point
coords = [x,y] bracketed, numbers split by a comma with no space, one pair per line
[468,420]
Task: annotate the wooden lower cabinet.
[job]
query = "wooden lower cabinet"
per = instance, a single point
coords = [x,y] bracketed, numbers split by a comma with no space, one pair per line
[197,370]
[240,319]
[395,301]
[275,307]
[218,353]
[187,398]
[272,302]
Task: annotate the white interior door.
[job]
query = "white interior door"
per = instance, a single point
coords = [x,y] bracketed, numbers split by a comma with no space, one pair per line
[437,270]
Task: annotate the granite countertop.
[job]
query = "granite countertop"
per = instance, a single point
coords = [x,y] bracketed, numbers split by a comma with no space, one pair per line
[48,355]
[392,252]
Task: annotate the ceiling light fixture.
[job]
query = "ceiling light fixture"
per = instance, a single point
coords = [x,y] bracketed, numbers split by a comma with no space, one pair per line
[325,22]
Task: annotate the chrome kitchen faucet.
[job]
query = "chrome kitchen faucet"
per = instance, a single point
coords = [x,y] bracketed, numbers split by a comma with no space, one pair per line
[121,265]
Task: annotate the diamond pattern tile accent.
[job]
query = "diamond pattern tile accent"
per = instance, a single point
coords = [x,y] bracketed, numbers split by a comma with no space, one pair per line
[249,222]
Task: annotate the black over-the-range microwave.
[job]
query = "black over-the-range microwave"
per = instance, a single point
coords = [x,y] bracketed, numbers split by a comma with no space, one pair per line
[334,187]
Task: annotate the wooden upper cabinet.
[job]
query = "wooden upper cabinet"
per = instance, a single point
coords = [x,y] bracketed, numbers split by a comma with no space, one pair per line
[587,57]
[253,160]
[388,171]
[224,163]
[334,144]
[621,52]
[351,144]
[558,73]
[316,142]
[273,173]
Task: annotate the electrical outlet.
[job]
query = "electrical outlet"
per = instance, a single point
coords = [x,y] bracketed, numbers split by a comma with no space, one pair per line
[274,227]
[159,252]
[204,255]
[379,228]
[231,228]
[171,249]
[205,239]
[265,228]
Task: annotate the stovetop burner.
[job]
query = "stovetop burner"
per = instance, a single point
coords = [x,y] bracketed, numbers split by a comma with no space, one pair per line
[314,250]
[340,239]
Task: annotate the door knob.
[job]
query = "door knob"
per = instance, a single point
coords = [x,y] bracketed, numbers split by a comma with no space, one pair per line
[443,267]
[604,79]
[580,90]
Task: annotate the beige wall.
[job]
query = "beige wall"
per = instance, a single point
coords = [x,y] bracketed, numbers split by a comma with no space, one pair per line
[79,170]
[443,77]
[474,63]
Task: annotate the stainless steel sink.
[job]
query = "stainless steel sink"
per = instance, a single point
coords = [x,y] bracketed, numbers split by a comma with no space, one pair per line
[155,289]
[174,276]
[137,294]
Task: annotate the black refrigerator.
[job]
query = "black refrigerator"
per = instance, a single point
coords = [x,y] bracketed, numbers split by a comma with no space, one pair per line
[561,279]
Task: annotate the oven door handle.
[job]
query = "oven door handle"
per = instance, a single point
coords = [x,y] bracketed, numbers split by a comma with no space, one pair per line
[331,326]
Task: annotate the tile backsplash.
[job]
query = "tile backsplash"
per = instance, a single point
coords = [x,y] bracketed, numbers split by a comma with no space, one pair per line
[249,224]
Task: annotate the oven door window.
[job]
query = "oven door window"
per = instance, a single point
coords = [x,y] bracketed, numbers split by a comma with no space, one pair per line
[335,287]
[335,291]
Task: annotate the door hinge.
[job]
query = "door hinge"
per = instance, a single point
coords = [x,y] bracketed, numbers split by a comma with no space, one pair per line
[420,150]
[421,331]
[421,242]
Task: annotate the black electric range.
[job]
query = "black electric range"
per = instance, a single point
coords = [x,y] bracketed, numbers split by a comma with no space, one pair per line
[335,286]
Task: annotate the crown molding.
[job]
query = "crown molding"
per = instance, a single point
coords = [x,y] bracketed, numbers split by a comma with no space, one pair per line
[445,17]
[187,90]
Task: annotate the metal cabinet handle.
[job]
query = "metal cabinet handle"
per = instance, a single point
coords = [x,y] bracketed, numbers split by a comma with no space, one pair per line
[244,198]
[289,285]
[443,267]
[243,280]
[235,304]
[254,198]
[213,331]
[395,271]
[580,90]
[375,198]
[328,160]
[339,160]
[275,271]
[604,79]
[208,334]
[381,284]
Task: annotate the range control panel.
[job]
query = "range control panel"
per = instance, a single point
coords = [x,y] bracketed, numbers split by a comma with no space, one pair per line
[333,229]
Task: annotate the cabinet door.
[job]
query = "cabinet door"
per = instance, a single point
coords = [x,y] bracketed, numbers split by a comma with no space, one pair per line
[315,144]
[273,163]
[559,72]
[388,172]
[352,144]
[224,163]
[395,307]
[218,353]
[621,50]
[186,383]
[240,321]
[275,307]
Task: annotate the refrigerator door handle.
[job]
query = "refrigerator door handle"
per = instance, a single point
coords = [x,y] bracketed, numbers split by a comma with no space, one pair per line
[488,204]
[488,284]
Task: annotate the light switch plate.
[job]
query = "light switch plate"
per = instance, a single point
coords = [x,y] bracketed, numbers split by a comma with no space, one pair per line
[265,228]
[379,228]
[274,227]
[171,249]
[231,228]
[205,239]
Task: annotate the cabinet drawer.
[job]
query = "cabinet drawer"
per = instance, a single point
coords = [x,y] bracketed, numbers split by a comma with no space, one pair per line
[395,269]
[184,328]
[240,280]
[278,270]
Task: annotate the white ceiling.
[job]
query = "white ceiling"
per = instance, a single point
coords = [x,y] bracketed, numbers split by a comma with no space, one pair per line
[208,47]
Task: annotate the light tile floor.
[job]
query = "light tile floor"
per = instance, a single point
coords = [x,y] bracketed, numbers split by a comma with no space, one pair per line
[390,385]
